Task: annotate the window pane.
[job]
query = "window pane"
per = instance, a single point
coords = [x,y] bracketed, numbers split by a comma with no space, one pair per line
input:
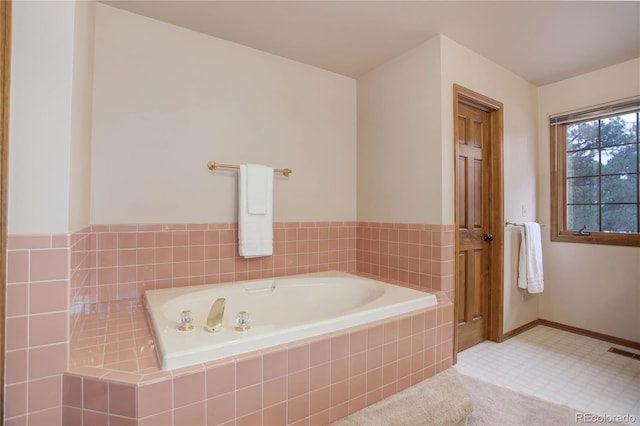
[620,218]
[582,163]
[582,135]
[619,159]
[618,130]
[578,216]
[583,190]
[619,189]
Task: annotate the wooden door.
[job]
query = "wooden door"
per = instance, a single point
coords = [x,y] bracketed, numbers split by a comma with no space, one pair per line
[474,236]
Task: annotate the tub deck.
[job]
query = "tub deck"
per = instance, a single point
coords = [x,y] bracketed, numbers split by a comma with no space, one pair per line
[313,381]
[114,340]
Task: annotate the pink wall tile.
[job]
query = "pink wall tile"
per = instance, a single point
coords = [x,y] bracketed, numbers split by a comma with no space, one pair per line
[46,329]
[155,398]
[358,363]
[357,403]
[95,395]
[274,391]
[45,393]
[298,384]
[17,266]
[122,400]
[191,415]
[220,380]
[320,352]
[48,296]
[49,417]
[17,302]
[357,386]
[319,400]
[15,400]
[298,358]
[390,332]
[112,262]
[339,369]
[16,242]
[72,391]
[16,366]
[248,372]
[248,400]
[47,361]
[358,341]
[275,415]
[50,264]
[189,389]
[162,419]
[375,336]
[95,419]
[339,393]
[250,419]
[274,364]
[71,416]
[297,408]
[221,409]
[339,346]
[17,333]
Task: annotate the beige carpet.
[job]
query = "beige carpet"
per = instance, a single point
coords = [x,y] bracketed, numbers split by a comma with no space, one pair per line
[448,397]
[441,400]
[497,406]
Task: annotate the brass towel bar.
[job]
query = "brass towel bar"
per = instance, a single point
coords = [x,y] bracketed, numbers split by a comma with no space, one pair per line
[507,223]
[212,165]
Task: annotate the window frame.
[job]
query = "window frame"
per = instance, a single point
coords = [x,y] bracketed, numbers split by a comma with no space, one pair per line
[559,233]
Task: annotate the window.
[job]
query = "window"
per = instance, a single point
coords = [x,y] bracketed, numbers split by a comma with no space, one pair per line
[595,179]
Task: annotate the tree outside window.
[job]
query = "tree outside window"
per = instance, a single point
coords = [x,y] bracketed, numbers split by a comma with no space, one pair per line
[596,186]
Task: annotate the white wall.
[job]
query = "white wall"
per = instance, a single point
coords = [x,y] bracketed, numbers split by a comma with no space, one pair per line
[399,167]
[40,116]
[50,116]
[594,287]
[519,98]
[405,146]
[167,100]
[81,116]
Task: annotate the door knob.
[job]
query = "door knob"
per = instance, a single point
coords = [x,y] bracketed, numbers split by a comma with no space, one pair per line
[487,237]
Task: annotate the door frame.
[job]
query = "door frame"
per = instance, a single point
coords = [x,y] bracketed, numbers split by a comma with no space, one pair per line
[496,209]
[5,63]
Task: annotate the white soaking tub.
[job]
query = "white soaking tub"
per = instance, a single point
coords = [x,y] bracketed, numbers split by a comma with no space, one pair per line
[282,310]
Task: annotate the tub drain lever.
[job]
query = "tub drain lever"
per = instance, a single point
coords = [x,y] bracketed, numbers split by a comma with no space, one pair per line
[214,320]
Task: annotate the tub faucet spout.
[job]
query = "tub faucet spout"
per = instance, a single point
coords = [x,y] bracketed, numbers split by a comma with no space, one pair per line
[214,320]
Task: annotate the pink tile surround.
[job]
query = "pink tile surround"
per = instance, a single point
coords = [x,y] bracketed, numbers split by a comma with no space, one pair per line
[99,255]
[37,327]
[420,255]
[125,260]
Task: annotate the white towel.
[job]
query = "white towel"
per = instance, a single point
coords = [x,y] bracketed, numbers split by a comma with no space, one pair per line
[255,210]
[530,274]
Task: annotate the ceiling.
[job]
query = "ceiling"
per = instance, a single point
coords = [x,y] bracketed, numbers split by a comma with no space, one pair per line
[542,41]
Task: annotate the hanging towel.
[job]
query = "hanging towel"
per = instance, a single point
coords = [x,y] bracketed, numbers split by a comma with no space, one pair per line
[530,274]
[255,210]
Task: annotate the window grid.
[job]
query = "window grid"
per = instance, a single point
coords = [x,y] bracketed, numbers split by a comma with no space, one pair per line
[599,147]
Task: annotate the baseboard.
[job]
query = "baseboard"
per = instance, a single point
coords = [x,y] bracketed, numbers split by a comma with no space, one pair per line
[571,329]
[528,326]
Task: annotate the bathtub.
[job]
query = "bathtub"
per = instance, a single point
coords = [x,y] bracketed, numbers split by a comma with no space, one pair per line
[281,310]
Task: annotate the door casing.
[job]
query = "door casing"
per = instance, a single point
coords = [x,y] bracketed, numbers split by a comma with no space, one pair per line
[5,64]
[496,219]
